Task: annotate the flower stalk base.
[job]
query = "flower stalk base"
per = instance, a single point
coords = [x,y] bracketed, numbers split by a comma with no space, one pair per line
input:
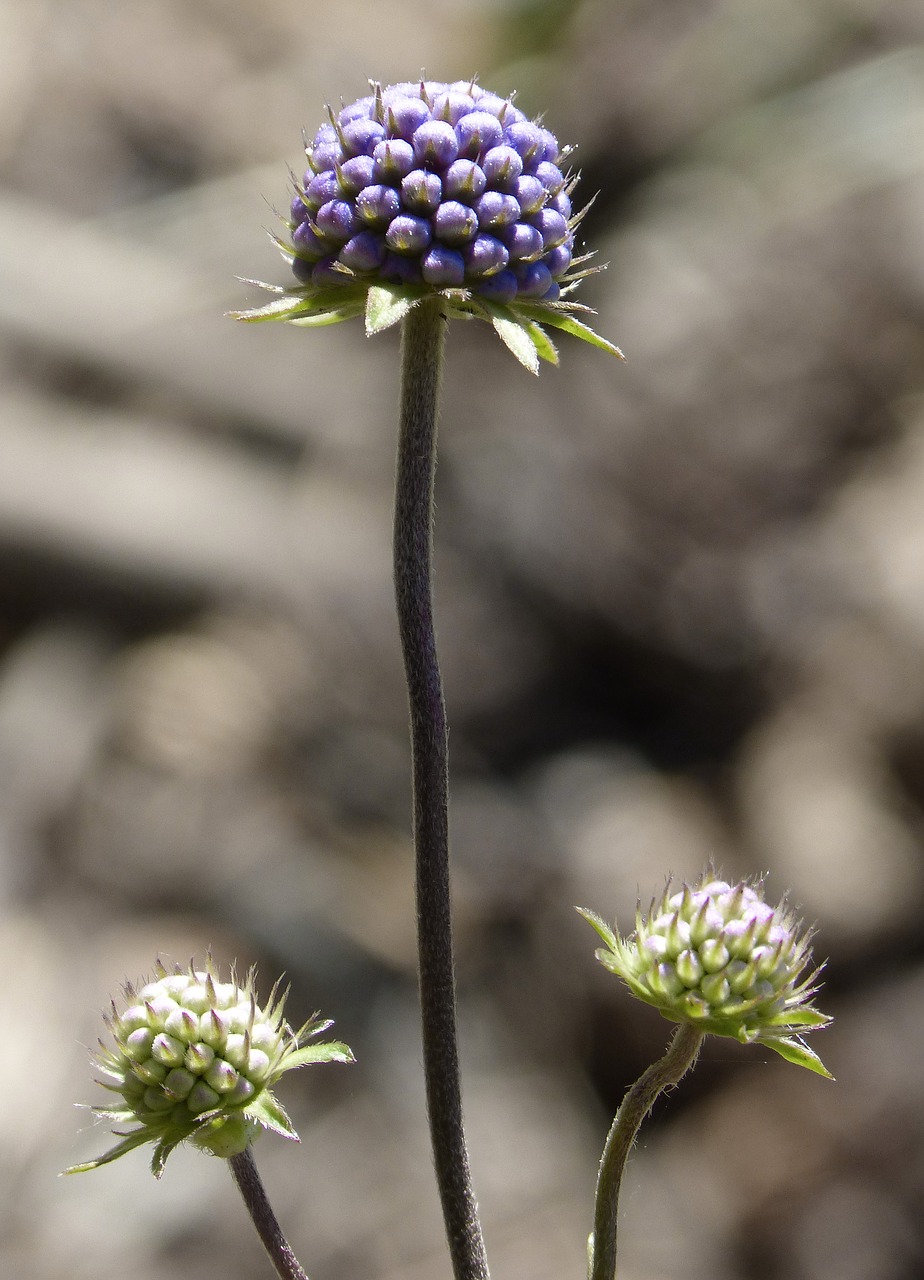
[423,340]
[667,1071]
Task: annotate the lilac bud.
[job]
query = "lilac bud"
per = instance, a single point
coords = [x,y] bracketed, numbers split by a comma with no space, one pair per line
[535,280]
[377,205]
[485,255]
[364,251]
[524,243]
[326,156]
[457,224]
[550,176]
[452,105]
[527,140]
[478,133]
[435,144]
[336,221]
[558,260]
[421,191]
[298,210]
[360,137]
[408,234]
[398,269]
[443,267]
[495,210]
[501,287]
[321,188]
[560,203]
[361,110]
[551,226]
[404,116]
[355,174]
[464,180]
[530,194]
[308,244]
[502,166]
[392,158]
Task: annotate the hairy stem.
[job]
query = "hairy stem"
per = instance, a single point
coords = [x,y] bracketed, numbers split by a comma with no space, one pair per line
[423,339]
[681,1054]
[244,1172]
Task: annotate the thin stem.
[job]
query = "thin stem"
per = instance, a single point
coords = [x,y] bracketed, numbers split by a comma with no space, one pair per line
[681,1054]
[250,1184]
[423,340]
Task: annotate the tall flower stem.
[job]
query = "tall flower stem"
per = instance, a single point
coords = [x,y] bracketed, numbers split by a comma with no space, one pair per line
[245,1174]
[423,340]
[681,1054]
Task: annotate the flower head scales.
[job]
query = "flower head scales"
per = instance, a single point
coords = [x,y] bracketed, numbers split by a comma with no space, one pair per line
[719,957]
[428,188]
[193,1058]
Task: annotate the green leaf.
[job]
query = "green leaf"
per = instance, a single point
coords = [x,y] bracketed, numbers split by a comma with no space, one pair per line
[281,308]
[544,345]
[319,319]
[602,928]
[332,1051]
[801,1018]
[129,1143]
[385,306]
[794,1050]
[515,334]
[567,323]
[268,1112]
[163,1149]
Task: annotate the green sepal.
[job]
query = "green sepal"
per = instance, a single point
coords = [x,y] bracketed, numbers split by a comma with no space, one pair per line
[300,304]
[515,335]
[801,1018]
[544,345]
[269,1113]
[331,1051]
[560,319]
[793,1050]
[386,304]
[603,929]
[282,308]
[164,1148]
[128,1143]
[321,318]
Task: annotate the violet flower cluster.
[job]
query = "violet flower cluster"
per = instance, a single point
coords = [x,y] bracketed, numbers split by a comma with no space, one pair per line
[432,189]
[447,185]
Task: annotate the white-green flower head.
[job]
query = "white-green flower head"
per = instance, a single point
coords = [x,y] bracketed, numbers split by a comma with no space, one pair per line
[718,956]
[193,1058]
[424,189]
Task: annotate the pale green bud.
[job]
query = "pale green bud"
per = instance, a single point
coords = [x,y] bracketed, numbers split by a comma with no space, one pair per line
[194,1058]
[720,957]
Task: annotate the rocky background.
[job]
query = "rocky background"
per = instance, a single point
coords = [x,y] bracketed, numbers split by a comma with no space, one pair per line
[681,607]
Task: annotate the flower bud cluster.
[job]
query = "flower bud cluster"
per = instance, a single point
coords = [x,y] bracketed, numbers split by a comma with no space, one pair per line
[445,185]
[195,1058]
[719,957]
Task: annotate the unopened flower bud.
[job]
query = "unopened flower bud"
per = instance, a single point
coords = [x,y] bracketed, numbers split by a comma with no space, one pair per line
[719,957]
[193,1058]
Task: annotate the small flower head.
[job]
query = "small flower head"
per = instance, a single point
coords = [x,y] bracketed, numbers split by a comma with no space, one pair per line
[718,956]
[195,1058]
[431,188]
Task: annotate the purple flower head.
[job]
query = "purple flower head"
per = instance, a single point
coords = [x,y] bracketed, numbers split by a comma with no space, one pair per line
[427,188]
[448,176]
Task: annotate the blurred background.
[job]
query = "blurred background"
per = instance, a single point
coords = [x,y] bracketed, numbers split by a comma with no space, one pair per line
[681,609]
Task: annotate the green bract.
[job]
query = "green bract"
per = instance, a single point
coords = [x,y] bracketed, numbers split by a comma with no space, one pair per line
[429,189]
[195,1058]
[718,957]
